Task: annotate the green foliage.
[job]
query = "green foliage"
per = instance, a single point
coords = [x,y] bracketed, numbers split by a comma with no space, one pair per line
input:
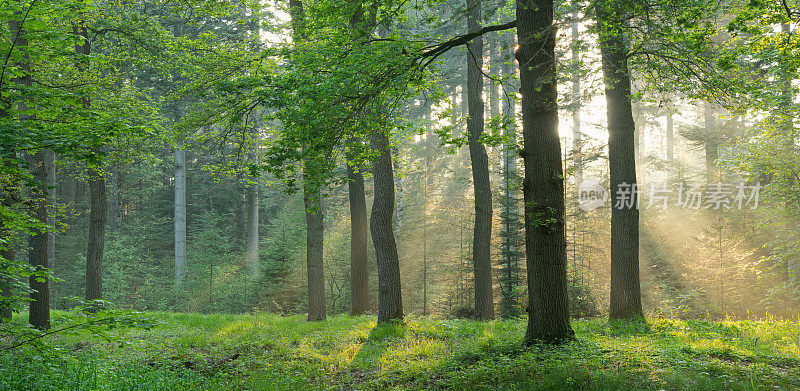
[266,351]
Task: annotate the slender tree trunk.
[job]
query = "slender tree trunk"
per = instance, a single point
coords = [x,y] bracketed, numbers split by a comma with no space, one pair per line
[543,186]
[312,197]
[180,214]
[398,183]
[390,300]
[510,215]
[712,142]
[51,204]
[180,191]
[482,234]
[7,254]
[251,199]
[496,68]
[114,202]
[670,137]
[8,195]
[577,135]
[359,264]
[625,299]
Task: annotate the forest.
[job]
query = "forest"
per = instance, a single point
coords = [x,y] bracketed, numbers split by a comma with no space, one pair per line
[406,195]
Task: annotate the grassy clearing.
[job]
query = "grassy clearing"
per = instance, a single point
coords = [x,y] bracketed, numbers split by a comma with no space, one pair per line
[269,352]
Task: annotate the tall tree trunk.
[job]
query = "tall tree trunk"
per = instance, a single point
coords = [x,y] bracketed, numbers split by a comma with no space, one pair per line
[180,214]
[510,216]
[577,135]
[359,266]
[51,204]
[712,142]
[312,197]
[8,194]
[543,186]
[180,190]
[482,233]
[251,200]
[39,311]
[114,202]
[496,68]
[390,300]
[625,299]
[97,232]
[97,195]
[398,183]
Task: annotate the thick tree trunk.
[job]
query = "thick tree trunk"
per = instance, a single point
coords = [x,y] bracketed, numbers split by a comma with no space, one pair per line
[39,312]
[390,300]
[97,197]
[97,232]
[625,299]
[312,198]
[180,214]
[359,266]
[482,234]
[543,186]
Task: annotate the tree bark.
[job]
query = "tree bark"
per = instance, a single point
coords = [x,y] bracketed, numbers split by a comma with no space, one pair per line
[6,253]
[625,298]
[390,300]
[39,310]
[543,186]
[312,198]
[251,199]
[114,202]
[180,214]
[97,232]
[359,266]
[577,135]
[482,233]
[510,216]
[712,143]
[670,138]
[97,195]
[51,204]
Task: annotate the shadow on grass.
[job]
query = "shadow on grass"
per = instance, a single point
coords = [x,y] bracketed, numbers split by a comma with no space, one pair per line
[376,346]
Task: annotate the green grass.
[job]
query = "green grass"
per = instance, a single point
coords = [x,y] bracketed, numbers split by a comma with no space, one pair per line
[269,352]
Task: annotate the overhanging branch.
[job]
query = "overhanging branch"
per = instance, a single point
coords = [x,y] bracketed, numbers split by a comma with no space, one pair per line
[431,53]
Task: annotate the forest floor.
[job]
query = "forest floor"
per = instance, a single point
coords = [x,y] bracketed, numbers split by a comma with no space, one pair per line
[270,352]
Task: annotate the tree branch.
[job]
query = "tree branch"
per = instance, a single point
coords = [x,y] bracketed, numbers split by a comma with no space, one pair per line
[432,52]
